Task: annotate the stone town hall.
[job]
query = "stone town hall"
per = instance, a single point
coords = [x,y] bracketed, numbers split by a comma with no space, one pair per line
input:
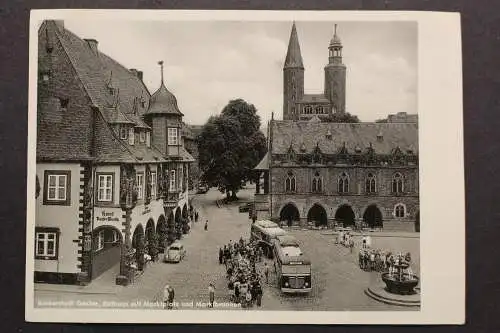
[327,173]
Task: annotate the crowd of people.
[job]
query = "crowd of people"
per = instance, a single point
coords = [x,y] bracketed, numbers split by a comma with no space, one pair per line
[382,260]
[240,259]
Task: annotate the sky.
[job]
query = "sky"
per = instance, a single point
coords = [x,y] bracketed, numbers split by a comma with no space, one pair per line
[209,63]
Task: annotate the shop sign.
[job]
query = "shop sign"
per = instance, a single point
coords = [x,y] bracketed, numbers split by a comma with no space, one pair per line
[107,217]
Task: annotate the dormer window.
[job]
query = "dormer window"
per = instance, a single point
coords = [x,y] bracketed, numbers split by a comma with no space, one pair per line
[45,76]
[131,136]
[142,136]
[63,103]
[123,132]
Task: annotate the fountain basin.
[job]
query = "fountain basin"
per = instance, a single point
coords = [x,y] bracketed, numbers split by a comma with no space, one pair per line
[405,286]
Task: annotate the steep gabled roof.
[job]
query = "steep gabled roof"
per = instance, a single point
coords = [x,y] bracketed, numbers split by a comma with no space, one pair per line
[330,137]
[108,84]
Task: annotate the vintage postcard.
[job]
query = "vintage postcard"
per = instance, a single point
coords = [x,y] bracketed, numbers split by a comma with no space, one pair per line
[245,167]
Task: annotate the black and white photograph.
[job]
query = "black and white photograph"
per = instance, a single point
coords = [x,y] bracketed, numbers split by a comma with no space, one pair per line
[192,167]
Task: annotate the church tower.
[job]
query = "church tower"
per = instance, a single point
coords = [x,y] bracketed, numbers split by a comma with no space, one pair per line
[293,77]
[335,75]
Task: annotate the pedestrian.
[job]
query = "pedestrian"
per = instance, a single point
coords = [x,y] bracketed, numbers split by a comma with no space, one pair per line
[351,244]
[248,298]
[169,295]
[258,294]
[220,256]
[237,291]
[206,225]
[266,272]
[211,294]
[196,216]
[364,241]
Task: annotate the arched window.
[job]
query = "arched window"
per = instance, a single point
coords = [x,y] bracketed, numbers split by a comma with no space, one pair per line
[343,183]
[370,183]
[290,183]
[400,210]
[317,183]
[397,183]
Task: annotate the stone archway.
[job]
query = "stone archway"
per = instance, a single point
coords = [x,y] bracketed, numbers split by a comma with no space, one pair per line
[373,217]
[171,227]
[317,214]
[151,239]
[162,233]
[178,223]
[417,222]
[107,249]
[289,213]
[138,243]
[345,216]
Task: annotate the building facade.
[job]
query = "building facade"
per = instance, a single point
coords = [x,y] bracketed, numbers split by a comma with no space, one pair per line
[350,174]
[300,106]
[111,168]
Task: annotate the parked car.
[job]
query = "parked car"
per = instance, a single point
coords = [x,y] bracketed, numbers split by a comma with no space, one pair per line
[245,207]
[202,188]
[175,252]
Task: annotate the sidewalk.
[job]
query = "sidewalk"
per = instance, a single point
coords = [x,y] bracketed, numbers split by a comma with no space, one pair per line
[103,285]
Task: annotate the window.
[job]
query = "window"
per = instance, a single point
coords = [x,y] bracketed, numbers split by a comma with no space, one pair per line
[44,76]
[397,183]
[181,179]
[57,187]
[46,243]
[172,180]
[123,132]
[319,110]
[63,103]
[317,183]
[370,183]
[139,180]
[142,136]
[148,139]
[400,210]
[153,184]
[343,183]
[172,136]
[131,136]
[105,187]
[307,109]
[290,183]
[100,241]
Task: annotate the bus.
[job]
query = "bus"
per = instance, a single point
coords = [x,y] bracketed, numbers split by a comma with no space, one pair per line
[264,232]
[293,268]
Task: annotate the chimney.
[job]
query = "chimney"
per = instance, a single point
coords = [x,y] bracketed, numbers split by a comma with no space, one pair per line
[92,44]
[59,24]
[137,73]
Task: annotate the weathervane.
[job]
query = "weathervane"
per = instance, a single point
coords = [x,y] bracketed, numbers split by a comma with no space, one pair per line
[161,65]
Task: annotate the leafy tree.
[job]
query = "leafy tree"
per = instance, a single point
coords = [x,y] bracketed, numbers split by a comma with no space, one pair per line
[344,117]
[230,145]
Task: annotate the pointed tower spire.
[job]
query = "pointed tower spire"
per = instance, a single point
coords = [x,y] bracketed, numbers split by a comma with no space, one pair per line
[161,66]
[293,55]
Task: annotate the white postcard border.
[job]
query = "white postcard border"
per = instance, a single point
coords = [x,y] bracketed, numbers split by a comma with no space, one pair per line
[442,204]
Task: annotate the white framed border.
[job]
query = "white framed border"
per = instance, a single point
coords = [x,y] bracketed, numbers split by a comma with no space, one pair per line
[441,175]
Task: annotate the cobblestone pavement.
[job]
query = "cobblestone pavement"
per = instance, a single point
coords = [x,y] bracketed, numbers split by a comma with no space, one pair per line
[338,283]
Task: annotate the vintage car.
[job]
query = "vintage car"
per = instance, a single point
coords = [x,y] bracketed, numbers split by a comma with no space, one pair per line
[202,188]
[245,207]
[175,253]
